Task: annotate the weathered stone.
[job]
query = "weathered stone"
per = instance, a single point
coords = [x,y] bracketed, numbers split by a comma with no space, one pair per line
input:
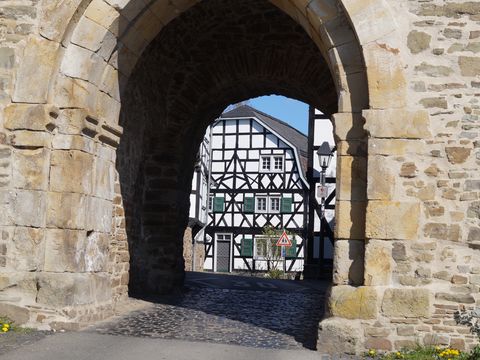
[472,185]
[450,33]
[18,314]
[473,234]
[458,298]
[31,169]
[66,210]
[396,124]
[378,344]
[435,340]
[436,231]
[469,66]
[457,154]
[71,171]
[27,252]
[434,103]
[418,41]
[64,289]
[338,335]
[353,303]
[35,69]
[434,70]
[399,252]
[27,117]
[30,208]
[408,170]
[474,210]
[349,265]
[378,263]
[392,220]
[410,303]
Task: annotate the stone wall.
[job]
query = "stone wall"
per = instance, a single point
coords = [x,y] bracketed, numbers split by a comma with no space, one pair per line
[188,252]
[103,104]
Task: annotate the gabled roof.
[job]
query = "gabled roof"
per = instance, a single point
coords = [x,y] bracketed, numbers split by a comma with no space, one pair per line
[289,133]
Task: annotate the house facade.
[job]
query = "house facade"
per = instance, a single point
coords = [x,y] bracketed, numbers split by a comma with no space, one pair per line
[257,181]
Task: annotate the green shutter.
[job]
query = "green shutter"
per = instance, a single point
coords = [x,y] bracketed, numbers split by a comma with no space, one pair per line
[286,205]
[247,248]
[292,250]
[248,204]
[218,204]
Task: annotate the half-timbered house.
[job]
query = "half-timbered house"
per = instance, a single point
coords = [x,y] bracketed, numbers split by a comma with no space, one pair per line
[257,179]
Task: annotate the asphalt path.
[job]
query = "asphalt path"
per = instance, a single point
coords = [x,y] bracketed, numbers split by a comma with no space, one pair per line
[90,346]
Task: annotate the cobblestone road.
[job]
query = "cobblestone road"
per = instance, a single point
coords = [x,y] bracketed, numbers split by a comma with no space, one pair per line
[231,310]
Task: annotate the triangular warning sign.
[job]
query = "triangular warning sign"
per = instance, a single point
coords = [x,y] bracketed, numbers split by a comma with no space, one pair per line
[284,240]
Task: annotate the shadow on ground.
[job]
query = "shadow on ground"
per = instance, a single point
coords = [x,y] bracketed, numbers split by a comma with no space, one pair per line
[240,310]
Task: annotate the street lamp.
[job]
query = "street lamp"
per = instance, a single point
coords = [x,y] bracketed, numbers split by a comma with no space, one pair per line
[325,154]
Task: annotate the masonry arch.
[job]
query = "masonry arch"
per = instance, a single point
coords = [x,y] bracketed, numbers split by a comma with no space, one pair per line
[116,79]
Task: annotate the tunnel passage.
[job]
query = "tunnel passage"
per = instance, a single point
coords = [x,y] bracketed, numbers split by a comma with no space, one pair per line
[218,52]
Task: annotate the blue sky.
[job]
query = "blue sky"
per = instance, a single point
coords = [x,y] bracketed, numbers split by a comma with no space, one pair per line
[291,111]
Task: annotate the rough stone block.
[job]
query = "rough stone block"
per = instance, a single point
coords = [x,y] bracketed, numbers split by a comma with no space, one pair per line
[27,249]
[88,34]
[30,208]
[7,204]
[99,215]
[20,315]
[66,210]
[378,263]
[65,250]
[29,139]
[65,289]
[397,124]
[348,126]
[31,169]
[35,71]
[352,178]
[54,19]
[348,264]
[27,117]
[409,303]
[104,179]
[338,335]
[392,220]
[353,302]
[71,171]
[380,187]
[350,220]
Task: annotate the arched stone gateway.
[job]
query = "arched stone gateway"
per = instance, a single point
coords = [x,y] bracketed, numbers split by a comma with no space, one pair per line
[104,103]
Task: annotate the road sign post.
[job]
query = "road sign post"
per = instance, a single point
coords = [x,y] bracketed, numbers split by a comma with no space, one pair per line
[284,242]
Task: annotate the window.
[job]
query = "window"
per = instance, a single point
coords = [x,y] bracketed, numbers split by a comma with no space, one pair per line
[210,203]
[265,248]
[224,237]
[271,163]
[265,163]
[261,204]
[267,204]
[274,204]
[278,163]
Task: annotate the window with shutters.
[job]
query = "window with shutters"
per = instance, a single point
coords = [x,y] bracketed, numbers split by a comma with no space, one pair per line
[261,204]
[274,204]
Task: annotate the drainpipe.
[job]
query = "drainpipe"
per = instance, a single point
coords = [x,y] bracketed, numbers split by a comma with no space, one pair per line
[201,232]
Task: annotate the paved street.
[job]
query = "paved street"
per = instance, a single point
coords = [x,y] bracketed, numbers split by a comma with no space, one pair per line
[227,309]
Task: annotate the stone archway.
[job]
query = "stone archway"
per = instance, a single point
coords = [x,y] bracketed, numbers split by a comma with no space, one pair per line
[90,55]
